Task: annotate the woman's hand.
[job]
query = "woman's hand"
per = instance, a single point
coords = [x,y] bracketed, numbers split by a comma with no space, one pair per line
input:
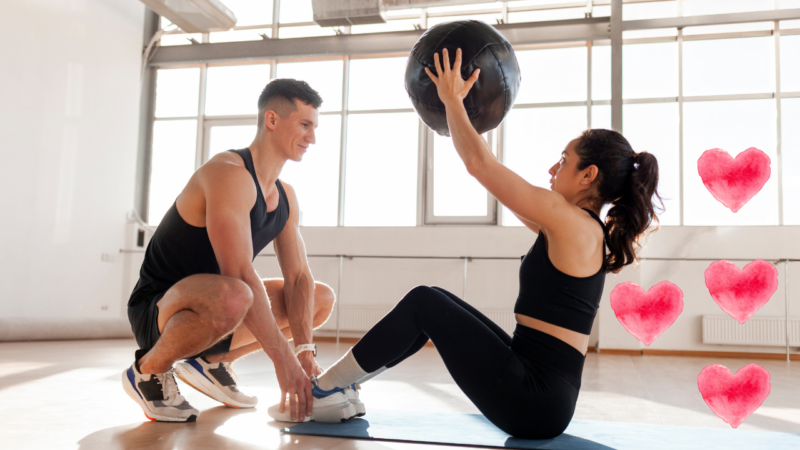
[451,87]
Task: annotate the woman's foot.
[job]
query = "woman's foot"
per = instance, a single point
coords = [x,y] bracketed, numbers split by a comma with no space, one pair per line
[330,406]
[352,397]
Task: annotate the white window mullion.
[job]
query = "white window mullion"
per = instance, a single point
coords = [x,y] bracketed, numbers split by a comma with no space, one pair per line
[779,118]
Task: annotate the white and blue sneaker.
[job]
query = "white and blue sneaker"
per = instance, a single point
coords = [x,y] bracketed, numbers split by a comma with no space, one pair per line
[329,406]
[157,394]
[215,380]
[352,397]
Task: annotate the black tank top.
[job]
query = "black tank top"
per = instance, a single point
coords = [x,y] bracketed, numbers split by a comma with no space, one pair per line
[547,294]
[178,250]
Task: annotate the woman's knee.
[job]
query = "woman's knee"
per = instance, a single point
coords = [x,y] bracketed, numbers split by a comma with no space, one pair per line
[418,293]
[424,297]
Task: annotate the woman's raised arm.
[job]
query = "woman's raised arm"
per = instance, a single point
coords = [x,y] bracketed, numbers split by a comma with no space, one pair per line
[530,203]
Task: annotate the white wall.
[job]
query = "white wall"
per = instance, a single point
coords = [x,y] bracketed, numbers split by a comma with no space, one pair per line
[492,284]
[708,244]
[69,102]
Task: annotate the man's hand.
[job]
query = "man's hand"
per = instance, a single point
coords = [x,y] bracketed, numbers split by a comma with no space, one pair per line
[295,383]
[309,363]
[451,87]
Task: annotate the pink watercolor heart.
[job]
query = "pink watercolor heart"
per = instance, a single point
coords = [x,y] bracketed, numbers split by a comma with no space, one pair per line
[741,293]
[647,314]
[734,397]
[734,181]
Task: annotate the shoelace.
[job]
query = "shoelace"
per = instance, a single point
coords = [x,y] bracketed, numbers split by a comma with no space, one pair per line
[224,374]
[172,395]
[227,366]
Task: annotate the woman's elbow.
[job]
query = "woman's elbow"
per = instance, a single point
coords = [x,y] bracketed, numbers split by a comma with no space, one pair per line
[475,168]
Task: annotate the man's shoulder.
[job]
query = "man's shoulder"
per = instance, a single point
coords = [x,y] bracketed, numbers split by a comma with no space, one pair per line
[224,165]
[226,172]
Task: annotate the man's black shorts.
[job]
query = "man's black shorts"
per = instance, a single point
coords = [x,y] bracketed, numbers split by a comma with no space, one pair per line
[143,316]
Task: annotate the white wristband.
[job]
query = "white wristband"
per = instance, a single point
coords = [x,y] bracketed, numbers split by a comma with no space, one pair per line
[305,348]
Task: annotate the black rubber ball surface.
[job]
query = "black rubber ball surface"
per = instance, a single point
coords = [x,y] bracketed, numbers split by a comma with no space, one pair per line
[482,47]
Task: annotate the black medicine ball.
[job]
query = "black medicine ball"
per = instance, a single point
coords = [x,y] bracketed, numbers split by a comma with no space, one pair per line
[483,48]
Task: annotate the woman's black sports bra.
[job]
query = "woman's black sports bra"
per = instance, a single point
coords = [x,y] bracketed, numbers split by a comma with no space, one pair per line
[547,294]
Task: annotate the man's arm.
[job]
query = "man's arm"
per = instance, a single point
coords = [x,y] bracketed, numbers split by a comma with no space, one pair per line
[298,284]
[230,195]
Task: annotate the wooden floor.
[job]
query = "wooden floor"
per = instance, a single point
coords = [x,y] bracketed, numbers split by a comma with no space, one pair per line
[62,395]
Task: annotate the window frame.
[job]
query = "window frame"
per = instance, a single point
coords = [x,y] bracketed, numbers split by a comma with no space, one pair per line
[490,218]
[425,215]
[220,122]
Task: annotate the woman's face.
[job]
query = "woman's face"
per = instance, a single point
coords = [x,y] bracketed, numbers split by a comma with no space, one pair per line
[566,179]
[563,173]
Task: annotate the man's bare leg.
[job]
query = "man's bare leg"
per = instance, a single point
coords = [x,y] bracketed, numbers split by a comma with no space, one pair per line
[193,315]
[243,342]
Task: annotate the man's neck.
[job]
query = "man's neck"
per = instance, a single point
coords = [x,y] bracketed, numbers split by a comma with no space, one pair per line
[267,162]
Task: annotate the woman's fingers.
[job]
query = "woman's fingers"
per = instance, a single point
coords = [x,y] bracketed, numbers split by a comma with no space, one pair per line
[446,61]
[473,78]
[457,63]
[282,408]
[436,63]
[432,76]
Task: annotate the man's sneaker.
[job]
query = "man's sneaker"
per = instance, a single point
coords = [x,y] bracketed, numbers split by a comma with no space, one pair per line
[329,406]
[216,380]
[157,394]
[352,397]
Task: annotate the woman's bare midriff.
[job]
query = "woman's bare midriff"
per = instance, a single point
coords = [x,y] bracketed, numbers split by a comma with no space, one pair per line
[578,340]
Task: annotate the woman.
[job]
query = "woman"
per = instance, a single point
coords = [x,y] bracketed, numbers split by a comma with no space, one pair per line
[526,385]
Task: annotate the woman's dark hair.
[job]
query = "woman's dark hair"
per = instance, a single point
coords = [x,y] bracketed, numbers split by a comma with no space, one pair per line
[626,179]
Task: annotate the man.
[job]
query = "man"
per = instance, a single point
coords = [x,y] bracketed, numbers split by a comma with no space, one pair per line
[199,297]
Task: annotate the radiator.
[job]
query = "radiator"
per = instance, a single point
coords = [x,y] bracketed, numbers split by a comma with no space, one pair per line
[766,331]
[362,318]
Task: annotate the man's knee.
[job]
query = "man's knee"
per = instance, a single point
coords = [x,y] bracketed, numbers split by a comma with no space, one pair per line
[234,298]
[324,298]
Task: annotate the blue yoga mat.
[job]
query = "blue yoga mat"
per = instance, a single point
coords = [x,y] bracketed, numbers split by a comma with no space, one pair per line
[475,430]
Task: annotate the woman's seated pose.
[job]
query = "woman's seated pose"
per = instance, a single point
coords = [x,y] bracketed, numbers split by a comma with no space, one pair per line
[526,385]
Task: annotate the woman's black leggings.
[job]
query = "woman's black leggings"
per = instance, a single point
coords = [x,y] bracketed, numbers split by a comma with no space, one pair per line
[526,385]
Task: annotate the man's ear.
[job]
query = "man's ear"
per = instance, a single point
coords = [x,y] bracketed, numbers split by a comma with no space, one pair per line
[270,119]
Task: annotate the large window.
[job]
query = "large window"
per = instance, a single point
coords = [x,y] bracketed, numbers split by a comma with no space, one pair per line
[381,175]
[728,66]
[374,163]
[173,163]
[316,178]
[734,126]
[453,195]
[654,128]
[535,138]
[174,137]
[233,90]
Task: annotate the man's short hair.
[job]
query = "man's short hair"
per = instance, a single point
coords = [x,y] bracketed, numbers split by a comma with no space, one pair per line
[279,96]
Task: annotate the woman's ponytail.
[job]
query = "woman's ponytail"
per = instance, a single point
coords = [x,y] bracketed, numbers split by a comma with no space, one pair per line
[632,213]
[628,180]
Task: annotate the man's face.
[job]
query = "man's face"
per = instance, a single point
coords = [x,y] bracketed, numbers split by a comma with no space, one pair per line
[295,133]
